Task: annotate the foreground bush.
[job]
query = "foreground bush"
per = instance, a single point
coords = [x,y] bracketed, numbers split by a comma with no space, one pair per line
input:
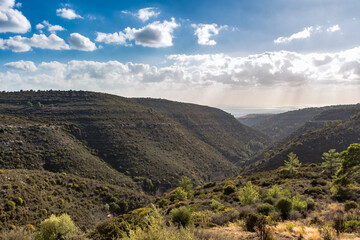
[248,194]
[56,228]
[181,216]
[284,206]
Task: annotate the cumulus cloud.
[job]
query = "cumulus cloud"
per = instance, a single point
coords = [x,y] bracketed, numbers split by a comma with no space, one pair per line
[12,20]
[156,34]
[206,31]
[79,42]
[108,38]
[51,28]
[144,14]
[24,44]
[67,13]
[26,66]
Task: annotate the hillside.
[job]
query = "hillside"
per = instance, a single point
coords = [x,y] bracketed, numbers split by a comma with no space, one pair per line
[38,194]
[152,148]
[310,143]
[281,125]
[251,119]
[213,126]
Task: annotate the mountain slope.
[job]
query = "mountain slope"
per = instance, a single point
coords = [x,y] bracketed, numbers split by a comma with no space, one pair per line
[215,127]
[153,148]
[309,144]
[251,119]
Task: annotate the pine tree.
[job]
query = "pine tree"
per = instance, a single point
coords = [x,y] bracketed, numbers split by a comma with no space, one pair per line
[332,161]
[293,163]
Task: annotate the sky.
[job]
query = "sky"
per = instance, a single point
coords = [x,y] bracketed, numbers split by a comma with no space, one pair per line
[230,54]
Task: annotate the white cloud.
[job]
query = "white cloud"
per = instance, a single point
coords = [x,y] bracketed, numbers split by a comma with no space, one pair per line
[333,28]
[156,34]
[305,33]
[26,66]
[51,28]
[67,13]
[206,31]
[12,20]
[79,42]
[24,44]
[145,14]
[116,38]
[263,78]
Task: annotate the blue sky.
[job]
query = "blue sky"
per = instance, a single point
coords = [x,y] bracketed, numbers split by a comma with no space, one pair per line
[232,53]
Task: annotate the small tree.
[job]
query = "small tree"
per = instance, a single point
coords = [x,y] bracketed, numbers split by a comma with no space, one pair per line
[55,228]
[185,183]
[332,161]
[293,163]
[248,194]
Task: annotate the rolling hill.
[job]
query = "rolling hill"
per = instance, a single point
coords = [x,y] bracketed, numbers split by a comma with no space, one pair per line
[141,141]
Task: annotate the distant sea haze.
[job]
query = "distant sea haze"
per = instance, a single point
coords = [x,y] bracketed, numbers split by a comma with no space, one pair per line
[239,111]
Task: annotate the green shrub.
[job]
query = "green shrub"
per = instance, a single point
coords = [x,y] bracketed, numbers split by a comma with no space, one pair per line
[56,228]
[251,222]
[248,194]
[350,205]
[216,205]
[351,226]
[181,216]
[43,211]
[163,202]
[310,203]
[229,189]
[274,192]
[284,207]
[265,208]
[180,194]
[298,204]
[10,205]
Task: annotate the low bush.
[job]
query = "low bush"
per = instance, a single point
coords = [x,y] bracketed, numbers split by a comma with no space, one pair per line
[265,209]
[55,228]
[251,222]
[350,205]
[181,216]
[284,207]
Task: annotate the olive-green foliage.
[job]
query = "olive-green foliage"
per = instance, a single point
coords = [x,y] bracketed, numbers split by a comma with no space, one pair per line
[185,184]
[251,221]
[284,206]
[180,194]
[298,204]
[350,205]
[216,205]
[163,202]
[56,228]
[248,194]
[332,161]
[181,216]
[310,203]
[276,192]
[293,163]
[265,208]
[229,189]
[10,205]
[156,228]
[351,225]
[347,178]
